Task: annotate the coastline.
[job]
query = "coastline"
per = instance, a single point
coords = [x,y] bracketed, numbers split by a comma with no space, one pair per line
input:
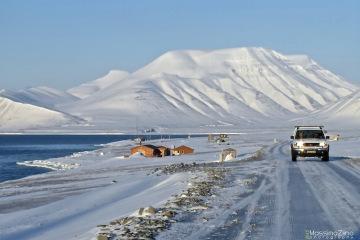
[25,150]
[98,186]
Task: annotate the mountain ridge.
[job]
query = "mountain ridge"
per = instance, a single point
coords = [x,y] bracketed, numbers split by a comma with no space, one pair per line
[235,85]
[41,96]
[196,88]
[86,89]
[19,116]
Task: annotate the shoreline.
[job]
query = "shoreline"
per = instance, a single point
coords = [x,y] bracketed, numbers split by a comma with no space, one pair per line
[105,181]
[57,164]
[54,166]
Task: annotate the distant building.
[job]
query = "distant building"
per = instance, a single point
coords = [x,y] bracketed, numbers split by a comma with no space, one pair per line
[226,154]
[147,150]
[218,138]
[165,151]
[182,150]
[210,138]
[160,151]
[139,140]
[224,136]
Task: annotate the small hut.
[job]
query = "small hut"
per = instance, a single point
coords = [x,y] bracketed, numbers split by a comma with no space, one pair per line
[227,154]
[182,150]
[147,150]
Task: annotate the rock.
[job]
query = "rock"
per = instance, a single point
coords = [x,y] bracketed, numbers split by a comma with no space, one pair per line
[149,211]
[102,225]
[126,220]
[236,221]
[178,167]
[140,211]
[199,207]
[143,212]
[169,214]
[148,222]
[102,237]
[204,219]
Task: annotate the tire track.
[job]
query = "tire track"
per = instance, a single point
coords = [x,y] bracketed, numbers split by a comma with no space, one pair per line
[338,197]
[344,170]
[305,210]
[309,195]
[289,199]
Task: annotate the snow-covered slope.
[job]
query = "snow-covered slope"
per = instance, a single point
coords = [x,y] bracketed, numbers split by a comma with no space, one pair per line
[40,96]
[15,116]
[344,112]
[230,86]
[87,89]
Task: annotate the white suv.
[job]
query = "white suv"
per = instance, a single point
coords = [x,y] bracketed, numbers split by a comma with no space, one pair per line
[309,141]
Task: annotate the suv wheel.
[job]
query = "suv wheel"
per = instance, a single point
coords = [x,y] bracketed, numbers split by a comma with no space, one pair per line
[325,157]
[293,155]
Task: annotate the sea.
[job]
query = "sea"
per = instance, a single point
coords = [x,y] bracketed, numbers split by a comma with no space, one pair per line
[18,148]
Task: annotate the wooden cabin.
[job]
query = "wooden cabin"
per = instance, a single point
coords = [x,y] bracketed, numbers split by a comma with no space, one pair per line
[147,150]
[165,151]
[182,150]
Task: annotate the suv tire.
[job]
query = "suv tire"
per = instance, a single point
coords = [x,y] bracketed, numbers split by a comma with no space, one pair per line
[325,157]
[293,155]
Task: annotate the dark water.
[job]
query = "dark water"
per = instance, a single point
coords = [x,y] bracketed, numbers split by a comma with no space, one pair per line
[16,148]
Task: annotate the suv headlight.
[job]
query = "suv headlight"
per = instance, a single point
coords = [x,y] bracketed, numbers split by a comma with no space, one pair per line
[323,144]
[298,144]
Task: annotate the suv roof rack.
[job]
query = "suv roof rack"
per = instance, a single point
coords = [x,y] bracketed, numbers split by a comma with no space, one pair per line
[321,127]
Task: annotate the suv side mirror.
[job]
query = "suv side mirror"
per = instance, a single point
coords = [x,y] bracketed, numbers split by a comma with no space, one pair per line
[291,137]
[327,137]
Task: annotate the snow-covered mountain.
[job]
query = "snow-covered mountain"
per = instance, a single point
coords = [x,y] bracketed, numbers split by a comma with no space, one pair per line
[238,87]
[40,96]
[87,89]
[15,116]
[222,87]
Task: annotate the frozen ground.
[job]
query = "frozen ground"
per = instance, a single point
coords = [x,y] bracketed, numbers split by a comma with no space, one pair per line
[265,198]
[283,200]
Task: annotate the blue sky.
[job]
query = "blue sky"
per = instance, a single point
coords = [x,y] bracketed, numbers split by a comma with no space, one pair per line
[64,43]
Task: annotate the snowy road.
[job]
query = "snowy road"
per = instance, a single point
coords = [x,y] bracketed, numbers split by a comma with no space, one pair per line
[282,199]
[263,197]
[313,195]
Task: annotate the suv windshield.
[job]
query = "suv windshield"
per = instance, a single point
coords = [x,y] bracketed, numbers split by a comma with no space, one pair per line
[300,134]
